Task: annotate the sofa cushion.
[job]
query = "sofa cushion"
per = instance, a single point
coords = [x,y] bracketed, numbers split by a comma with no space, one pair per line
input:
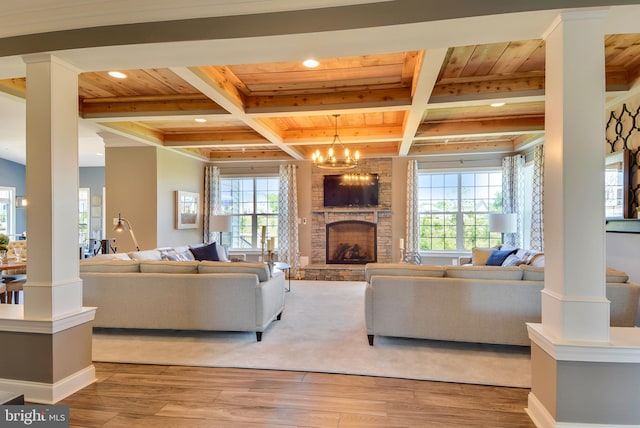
[479,256]
[113,256]
[154,266]
[483,272]
[146,255]
[497,257]
[114,265]
[512,260]
[537,260]
[532,273]
[260,269]
[205,252]
[402,269]
[176,256]
[614,275]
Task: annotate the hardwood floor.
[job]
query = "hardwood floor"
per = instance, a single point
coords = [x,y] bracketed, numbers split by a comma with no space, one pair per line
[131,395]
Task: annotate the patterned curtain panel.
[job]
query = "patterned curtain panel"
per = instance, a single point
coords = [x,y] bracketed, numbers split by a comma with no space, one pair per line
[288,251]
[413,219]
[537,208]
[211,199]
[513,196]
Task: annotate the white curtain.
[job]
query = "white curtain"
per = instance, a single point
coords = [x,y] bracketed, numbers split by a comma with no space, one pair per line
[412,242]
[537,208]
[513,196]
[288,251]
[211,199]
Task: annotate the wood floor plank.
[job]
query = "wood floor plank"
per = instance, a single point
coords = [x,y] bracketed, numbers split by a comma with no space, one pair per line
[252,414]
[130,395]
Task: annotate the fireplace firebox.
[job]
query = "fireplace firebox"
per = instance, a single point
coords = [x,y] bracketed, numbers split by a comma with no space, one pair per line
[351,242]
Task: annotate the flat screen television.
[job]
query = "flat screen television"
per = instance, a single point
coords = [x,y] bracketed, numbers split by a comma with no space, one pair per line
[336,194]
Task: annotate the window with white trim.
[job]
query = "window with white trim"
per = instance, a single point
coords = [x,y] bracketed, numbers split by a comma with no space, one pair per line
[83,215]
[252,202]
[454,209]
[7,210]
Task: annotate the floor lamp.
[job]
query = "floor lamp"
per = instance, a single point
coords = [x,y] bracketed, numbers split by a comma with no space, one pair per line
[220,223]
[503,223]
[123,224]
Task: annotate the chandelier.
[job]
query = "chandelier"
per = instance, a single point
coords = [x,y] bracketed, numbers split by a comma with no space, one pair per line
[331,161]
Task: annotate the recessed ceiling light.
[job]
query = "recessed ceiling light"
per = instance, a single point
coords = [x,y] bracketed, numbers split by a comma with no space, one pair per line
[200,120]
[117,74]
[497,104]
[100,154]
[310,63]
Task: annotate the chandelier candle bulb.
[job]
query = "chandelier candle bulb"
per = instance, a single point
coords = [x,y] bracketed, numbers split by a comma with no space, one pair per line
[264,234]
[401,243]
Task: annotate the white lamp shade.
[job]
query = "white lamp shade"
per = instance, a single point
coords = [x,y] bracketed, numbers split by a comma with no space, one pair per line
[503,223]
[220,223]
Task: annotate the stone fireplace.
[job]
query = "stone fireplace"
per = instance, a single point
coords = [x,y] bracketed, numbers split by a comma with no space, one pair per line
[333,252]
[351,242]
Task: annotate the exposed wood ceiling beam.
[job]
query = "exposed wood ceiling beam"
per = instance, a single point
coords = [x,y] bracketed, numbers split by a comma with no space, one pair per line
[425,77]
[221,91]
[447,148]
[481,127]
[165,105]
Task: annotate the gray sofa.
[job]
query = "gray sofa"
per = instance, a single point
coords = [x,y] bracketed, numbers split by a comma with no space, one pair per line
[482,304]
[183,295]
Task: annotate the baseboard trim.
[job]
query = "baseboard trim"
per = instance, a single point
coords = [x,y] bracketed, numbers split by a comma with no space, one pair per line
[45,393]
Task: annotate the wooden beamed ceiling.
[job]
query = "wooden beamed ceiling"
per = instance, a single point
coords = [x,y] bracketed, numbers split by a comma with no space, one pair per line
[286,111]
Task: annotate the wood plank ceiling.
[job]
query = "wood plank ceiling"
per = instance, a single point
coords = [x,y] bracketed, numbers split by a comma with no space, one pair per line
[286,111]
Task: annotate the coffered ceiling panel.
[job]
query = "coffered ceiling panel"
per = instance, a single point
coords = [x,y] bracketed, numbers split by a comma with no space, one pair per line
[284,110]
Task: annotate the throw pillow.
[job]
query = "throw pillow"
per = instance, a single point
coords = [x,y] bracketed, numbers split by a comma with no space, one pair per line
[497,257]
[205,252]
[512,260]
[479,256]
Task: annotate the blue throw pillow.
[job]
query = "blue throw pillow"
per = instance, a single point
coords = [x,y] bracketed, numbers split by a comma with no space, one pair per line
[205,252]
[497,257]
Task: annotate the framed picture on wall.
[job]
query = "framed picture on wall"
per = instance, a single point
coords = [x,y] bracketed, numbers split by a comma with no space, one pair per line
[187,210]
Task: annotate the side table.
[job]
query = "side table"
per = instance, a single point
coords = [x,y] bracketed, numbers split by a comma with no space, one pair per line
[285,267]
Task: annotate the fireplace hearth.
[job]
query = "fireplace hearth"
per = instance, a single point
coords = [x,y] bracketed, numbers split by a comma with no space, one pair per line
[351,242]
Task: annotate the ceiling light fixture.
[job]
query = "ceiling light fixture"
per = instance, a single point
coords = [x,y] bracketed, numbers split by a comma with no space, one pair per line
[310,63]
[333,162]
[200,120]
[497,104]
[117,74]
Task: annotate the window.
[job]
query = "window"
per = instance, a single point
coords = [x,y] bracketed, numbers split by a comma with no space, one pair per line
[7,211]
[454,209]
[83,215]
[253,203]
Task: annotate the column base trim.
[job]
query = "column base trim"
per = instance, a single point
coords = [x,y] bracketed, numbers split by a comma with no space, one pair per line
[12,319]
[543,419]
[623,346]
[45,393]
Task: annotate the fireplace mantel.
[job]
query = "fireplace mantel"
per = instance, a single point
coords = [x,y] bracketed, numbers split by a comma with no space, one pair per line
[352,210]
[346,211]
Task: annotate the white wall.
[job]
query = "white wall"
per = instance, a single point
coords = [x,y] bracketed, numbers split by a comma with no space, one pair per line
[623,252]
[177,172]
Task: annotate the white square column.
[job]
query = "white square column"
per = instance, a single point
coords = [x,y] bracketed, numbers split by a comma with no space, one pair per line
[583,372]
[574,304]
[54,288]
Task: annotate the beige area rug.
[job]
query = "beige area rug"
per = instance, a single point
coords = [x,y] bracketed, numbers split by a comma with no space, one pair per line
[322,330]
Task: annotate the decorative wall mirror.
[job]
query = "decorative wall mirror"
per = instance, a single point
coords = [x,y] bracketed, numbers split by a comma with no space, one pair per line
[617,185]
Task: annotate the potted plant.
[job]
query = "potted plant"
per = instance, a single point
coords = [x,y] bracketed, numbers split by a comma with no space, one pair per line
[4,242]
